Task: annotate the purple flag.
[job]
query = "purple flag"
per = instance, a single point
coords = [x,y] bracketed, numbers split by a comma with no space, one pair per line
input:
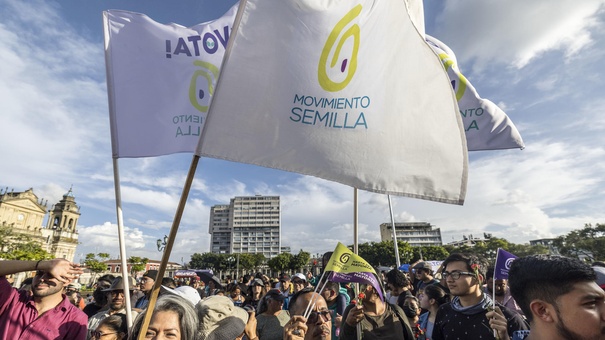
[503,261]
[359,277]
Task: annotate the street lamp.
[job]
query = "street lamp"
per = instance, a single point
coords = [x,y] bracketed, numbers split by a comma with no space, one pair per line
[162,245]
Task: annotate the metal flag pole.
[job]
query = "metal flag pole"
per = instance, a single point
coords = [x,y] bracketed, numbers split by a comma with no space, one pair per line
[394,234]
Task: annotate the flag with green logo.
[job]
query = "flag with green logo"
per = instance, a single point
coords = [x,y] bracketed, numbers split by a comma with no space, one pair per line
[345,91]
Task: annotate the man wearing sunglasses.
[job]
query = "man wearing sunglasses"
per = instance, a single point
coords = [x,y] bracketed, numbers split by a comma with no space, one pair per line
[117,303]
[470,314]
[47,314]
[318,326]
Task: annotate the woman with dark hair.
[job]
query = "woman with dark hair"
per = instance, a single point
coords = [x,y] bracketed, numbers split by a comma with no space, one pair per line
[432,297]
[113,327]
[173,317]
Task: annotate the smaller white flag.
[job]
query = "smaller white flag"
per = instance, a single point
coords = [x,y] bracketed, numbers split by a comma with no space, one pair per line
[487,127]
[160,80]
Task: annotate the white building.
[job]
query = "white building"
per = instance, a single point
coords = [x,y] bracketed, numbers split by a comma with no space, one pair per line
[249,224]
[415,233]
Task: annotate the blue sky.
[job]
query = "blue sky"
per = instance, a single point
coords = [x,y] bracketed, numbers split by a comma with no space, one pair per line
[540,61]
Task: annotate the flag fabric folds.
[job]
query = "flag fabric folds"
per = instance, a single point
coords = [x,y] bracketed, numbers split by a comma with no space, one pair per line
[350,267]
[487,127]
[503,262]
[160,79]
[344,91]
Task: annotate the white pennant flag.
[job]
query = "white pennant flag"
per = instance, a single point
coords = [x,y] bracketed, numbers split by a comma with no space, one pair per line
[487,127]
[160,79]
[345,91]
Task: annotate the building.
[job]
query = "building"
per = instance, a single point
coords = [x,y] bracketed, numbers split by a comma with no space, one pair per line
[24,213]
[470,240]
[249,224]
[415,233]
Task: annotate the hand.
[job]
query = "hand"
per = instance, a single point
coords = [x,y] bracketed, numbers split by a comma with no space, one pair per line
[250,329]
[336,319]
[498,322]
[296,328]
[355,315]
[61,269]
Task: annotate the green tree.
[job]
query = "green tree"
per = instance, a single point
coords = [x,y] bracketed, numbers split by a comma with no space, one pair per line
[95,265]
[216,262]
[280,262]
[137,264]
[259,260]
[17,246]
[298,261]
[588,242]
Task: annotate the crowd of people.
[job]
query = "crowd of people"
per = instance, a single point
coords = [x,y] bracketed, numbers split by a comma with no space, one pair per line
[545,297]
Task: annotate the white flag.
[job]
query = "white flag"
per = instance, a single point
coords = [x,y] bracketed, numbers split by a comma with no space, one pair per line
[345,91]
[487,127]
[160,79]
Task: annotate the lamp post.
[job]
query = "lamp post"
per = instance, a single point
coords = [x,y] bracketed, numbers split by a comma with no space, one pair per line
[161,245]
[230,259]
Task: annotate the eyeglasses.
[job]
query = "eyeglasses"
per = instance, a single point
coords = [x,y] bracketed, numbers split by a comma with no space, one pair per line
[455,275]
[98,335]
[314,317]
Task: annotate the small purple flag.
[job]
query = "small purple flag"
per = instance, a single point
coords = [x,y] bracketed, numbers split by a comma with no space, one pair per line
[503,261]
[359,277]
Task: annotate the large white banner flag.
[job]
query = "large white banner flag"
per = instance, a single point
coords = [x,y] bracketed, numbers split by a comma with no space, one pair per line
[487,127]
[160,79]
[345,91]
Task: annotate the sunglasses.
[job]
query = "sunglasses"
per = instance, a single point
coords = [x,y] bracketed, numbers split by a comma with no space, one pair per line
[314,317]
[98,335]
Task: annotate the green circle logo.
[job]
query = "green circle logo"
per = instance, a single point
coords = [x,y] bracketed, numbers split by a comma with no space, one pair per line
[335,42]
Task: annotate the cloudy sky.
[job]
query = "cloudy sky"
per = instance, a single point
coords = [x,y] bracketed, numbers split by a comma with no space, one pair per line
[540,61]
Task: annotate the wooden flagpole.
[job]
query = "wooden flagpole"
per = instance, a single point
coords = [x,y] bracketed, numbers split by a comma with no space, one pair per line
[168,249]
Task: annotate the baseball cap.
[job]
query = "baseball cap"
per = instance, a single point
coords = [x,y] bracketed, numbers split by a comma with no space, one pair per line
[257,282]
[284,277]
[299,276]
[422,265]
[152,274]
[220,319]
[187,292]
[275,294]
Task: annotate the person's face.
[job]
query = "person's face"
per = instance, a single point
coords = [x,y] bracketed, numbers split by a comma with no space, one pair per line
[257,289]
[211,285]
[465,285]
[73,297]
[421,274]
[500,286]
[322,327]
[236,292]
[328,294]
[580,314]
[285,284]
[117,301]
[164,325]
[425,301]
[45,284]
[105,333]
[298,284]
[146,284]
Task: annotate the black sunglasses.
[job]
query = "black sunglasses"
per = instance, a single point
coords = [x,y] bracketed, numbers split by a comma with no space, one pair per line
[314,317]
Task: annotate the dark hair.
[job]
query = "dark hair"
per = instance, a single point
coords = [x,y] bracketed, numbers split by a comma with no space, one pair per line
[295,297]
[470,260]
[335,286]
[247,278]
[397,278]
[545,277]
[436,293]
[489,273]
[168,282]
[117,322]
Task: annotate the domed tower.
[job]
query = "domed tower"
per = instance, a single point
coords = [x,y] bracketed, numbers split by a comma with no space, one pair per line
[61,231]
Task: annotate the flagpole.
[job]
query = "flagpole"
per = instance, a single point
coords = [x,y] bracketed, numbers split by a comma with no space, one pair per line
[121,241]
[168,247]
[494,289]
[394,234]
[356,241]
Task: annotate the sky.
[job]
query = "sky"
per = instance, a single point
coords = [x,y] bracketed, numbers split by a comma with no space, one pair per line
[540,61]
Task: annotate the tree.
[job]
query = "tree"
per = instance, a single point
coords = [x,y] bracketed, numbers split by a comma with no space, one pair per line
[137,264]
[298,261]
[588,242]
[94,265]
[213,261]
[280,262]
[17,246]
